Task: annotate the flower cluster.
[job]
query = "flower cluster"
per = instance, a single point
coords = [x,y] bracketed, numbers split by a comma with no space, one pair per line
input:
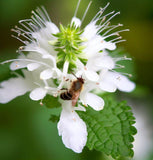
[53,57]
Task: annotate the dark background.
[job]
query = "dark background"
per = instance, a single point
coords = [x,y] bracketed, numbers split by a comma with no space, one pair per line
[25,132]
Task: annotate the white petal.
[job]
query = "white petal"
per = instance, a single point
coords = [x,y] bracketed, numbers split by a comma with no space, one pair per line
[42,36]
[93,46]
[46,74]
[91,75]
[79,108]
[86,89]
[106,82]
[99,62]
[52,28]
[94,101]
[45,33]
[37,94]
[49,57]
[124,84]
[72,129]
[109,45]
[90,31]
[105,62]
[76,21]
[65,68]
[32,66]
[19,64]
[79,64]
[56,73]
[107,86]
[13,88]
[121,82]
[79,73]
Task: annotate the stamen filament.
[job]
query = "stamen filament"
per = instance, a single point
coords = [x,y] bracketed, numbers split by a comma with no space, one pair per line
[36,22]
[39,18]
[116,33]
[96,17]
[28,60]
[86,11]
[123,40]
[121,58]
[111,18]
[76,10]
[111,29]
[115,39]
[104,17]
[24,42]
[43,13]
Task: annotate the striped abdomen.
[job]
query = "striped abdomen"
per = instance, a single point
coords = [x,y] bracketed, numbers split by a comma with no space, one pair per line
[66,96]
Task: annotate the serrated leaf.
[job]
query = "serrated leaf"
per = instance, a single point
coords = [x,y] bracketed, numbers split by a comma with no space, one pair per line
[110,130]
[51,102]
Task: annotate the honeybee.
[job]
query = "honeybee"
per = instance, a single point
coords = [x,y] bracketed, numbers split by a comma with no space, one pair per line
[74,91]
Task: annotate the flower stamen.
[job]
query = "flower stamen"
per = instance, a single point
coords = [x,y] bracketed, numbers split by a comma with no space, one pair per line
[86,11]
[76,10]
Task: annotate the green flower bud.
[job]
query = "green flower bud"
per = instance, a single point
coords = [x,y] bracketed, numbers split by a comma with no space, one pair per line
[69,46]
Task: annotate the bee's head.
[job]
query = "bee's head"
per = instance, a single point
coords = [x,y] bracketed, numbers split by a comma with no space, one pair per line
[81,79]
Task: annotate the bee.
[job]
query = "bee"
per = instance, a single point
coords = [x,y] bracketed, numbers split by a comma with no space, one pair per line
[74,91]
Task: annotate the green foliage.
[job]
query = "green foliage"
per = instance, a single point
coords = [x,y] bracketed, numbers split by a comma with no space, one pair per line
[54,118]
[51,102]
[110,130]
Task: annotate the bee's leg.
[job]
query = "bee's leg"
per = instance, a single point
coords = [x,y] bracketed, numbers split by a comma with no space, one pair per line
[64,89]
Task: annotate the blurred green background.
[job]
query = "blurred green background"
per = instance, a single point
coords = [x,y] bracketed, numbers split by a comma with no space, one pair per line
[25,130]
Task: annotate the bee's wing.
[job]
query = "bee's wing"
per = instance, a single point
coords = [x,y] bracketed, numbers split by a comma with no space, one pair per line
[75,98]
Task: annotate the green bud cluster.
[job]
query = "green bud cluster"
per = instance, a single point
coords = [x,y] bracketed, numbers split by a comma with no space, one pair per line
[68,46]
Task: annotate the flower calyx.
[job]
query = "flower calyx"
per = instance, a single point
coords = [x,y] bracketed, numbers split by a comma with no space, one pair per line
[69,46]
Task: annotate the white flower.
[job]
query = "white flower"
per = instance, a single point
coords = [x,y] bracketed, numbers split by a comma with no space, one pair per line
[53,54]
[14,87]
[111,81]
[72,128]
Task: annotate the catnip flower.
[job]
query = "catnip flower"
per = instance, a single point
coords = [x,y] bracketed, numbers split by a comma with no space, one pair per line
[53,57]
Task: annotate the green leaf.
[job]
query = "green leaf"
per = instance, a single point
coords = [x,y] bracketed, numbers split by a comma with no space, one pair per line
[54,118]
[110,130]
[51,102]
